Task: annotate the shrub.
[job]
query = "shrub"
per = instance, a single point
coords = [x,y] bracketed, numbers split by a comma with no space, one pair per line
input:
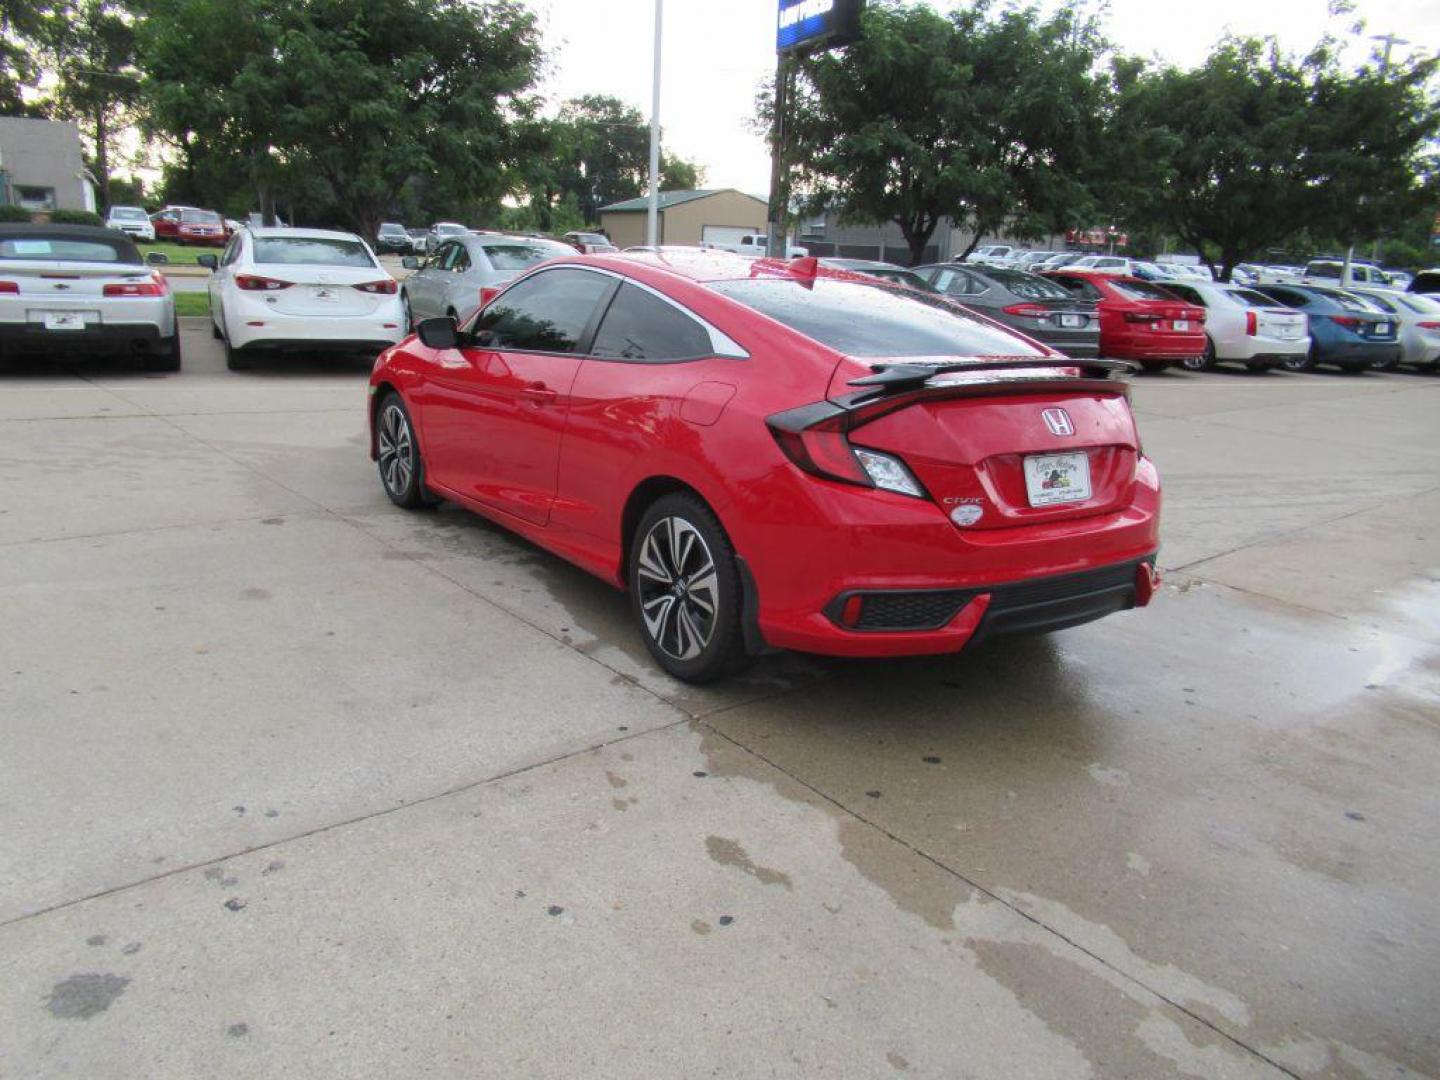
[75,217]
[14,213]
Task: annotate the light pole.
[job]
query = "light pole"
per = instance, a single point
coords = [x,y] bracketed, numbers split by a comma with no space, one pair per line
[652,216]
[1390,40]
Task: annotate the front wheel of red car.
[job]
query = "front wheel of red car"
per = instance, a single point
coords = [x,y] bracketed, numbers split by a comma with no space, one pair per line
[685,589]
[402,474]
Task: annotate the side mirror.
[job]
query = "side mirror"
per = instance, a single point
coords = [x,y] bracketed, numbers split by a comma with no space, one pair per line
[438,333]
[156,258]
[208,261]
[410,262]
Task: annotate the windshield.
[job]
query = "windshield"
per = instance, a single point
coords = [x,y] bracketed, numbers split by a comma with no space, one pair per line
[200,217]
[1141,290]
[127,213]
[1027,286]
[873,320]
[41,248]
[1324,270]
[392,230]
[513,257]
[299,251]
[451,230]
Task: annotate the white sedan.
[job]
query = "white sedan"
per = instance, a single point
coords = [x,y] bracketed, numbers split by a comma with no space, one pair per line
[1244,326]
[1419,317]
[301,290]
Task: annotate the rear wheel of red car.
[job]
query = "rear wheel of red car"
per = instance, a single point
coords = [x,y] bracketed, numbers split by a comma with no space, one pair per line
[1200,363]
[685,589]
[402,474]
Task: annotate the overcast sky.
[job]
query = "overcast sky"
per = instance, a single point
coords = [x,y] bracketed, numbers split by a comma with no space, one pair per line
[718,51]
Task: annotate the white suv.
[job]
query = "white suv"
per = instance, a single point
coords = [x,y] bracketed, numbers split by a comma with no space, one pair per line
[132,221]
[1328,271]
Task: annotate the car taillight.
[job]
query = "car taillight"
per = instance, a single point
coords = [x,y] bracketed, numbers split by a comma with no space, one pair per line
[1423,325]
[1350,322]
[823,449]
[9,286]
[1252,324]
[156,286]
[387,287]
[1027,311]
[1142,316]
[255,283]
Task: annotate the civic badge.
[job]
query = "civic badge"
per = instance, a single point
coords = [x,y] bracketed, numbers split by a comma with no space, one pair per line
[1058,421]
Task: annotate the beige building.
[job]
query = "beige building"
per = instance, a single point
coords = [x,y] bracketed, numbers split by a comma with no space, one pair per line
[687,217]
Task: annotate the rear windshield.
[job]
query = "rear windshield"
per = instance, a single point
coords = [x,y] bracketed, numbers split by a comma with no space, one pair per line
[451,230]
[127,213]
[200,217]
[1141,290]
[1418,302]
[60,249]
[1348,301]
[1028,286]
[873,320]
[511,258]
[1251,298]
[1323,270]
[298,251]
[1385,304]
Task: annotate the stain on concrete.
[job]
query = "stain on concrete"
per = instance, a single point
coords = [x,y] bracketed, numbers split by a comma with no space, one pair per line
[81,997]
[239,1030]
[1103,774]
[554,909]
[96,939]
[725,920]
[616,782]
[912,886]
[1138,863]
[272,521]
[234,904]
[620,804]
[728,852]
[700,926]
[217,874]
[273,867]
[254,594]
[898,1063]
[132,948]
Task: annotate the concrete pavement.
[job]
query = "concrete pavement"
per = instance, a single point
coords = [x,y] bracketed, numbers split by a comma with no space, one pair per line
[294,783]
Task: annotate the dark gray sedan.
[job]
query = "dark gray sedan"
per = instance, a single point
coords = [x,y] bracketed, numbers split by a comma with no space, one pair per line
[1031,304]
[449,281]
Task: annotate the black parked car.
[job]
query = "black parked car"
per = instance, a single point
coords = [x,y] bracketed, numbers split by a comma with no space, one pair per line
[1034,305]
[886,271]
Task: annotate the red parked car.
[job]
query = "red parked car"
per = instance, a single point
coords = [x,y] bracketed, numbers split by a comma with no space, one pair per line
[766,456]
[188,225]
[1139,320]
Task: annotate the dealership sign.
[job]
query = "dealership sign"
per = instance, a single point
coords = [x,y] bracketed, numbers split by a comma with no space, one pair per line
[809,24]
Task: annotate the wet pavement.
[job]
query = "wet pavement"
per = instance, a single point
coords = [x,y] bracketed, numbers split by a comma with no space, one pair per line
[295,783]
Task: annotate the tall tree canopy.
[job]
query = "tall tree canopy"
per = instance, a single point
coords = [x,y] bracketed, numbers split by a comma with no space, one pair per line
[986,116]
[1255,146]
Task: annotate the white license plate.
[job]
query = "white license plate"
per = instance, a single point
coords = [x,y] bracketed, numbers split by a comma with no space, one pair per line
[329,295]
[1182,325]
[1073,322]
[63,320]
[1057,478]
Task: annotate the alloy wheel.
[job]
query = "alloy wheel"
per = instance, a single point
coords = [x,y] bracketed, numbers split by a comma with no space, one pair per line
[678,588]
[397,450]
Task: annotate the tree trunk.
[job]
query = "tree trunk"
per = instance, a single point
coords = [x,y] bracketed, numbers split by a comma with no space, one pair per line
[917,232]
[974,243]
[267,202]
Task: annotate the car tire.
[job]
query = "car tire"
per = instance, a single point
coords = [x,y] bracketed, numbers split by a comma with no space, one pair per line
[397,458]
[407,311]
[1201,363]
[167,357]
[1355,369]
[1388,365]
[1300,363]
[1258,369]
[215,330]
[237,359]
[685,590]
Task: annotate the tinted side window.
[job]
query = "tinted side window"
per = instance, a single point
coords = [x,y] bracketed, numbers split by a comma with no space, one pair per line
[545,313]
[1186,293]
[640,326]
[1290,299]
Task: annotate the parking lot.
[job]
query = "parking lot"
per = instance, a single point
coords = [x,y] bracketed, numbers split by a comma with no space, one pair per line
[295,783]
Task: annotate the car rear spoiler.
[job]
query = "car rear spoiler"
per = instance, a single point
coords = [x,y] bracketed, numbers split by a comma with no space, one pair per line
[891,378]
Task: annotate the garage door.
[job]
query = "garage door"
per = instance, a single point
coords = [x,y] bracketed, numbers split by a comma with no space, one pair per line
[723,234]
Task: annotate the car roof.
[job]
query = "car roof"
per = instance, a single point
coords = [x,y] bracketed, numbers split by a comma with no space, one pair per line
[64,232]
[261,232]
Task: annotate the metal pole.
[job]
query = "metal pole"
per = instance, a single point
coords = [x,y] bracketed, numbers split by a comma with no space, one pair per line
[652,218]
[775,243]
[1390,41]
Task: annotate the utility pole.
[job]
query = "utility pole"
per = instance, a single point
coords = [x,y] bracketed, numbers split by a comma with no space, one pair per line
[776,243]
[1390,40]
[652,217]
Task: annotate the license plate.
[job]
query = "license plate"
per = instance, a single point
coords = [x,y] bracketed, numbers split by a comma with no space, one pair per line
[64,320]
[1073,322]
[1182,325]
[1380,329]
[326,294]
[1057,478]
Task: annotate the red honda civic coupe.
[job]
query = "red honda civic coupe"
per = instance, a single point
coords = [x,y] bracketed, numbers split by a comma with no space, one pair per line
[766,456]
[1139,320]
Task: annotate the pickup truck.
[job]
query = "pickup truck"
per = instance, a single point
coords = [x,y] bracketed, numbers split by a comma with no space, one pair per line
[754,244]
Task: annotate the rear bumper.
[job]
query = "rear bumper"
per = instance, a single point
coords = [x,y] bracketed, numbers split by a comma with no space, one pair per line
[1149,350]
[374,331]
[1357,353]
[32,337]
[374,346]
[967,584]
[1258,350]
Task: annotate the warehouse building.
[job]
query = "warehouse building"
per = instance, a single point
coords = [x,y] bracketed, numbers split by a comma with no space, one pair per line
[686,217]
[42,167]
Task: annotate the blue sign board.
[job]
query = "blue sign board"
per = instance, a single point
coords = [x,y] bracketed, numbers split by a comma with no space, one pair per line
[809,24]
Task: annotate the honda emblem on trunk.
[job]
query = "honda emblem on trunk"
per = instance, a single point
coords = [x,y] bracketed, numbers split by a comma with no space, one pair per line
[1058,421]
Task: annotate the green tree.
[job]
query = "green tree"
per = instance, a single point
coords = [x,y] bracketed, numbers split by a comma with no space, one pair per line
[90,47]
[986,116]
[1255,146]
[21,32]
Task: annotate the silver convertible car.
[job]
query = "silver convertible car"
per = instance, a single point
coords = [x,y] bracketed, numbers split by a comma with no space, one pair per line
[79,288]
[449,281]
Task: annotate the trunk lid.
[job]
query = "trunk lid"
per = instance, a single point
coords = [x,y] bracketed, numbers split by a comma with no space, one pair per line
[324,291]
[1039,444]
[1281,323]
[60,281]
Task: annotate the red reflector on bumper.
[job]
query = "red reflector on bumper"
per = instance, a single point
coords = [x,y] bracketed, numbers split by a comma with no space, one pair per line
[1147,580]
